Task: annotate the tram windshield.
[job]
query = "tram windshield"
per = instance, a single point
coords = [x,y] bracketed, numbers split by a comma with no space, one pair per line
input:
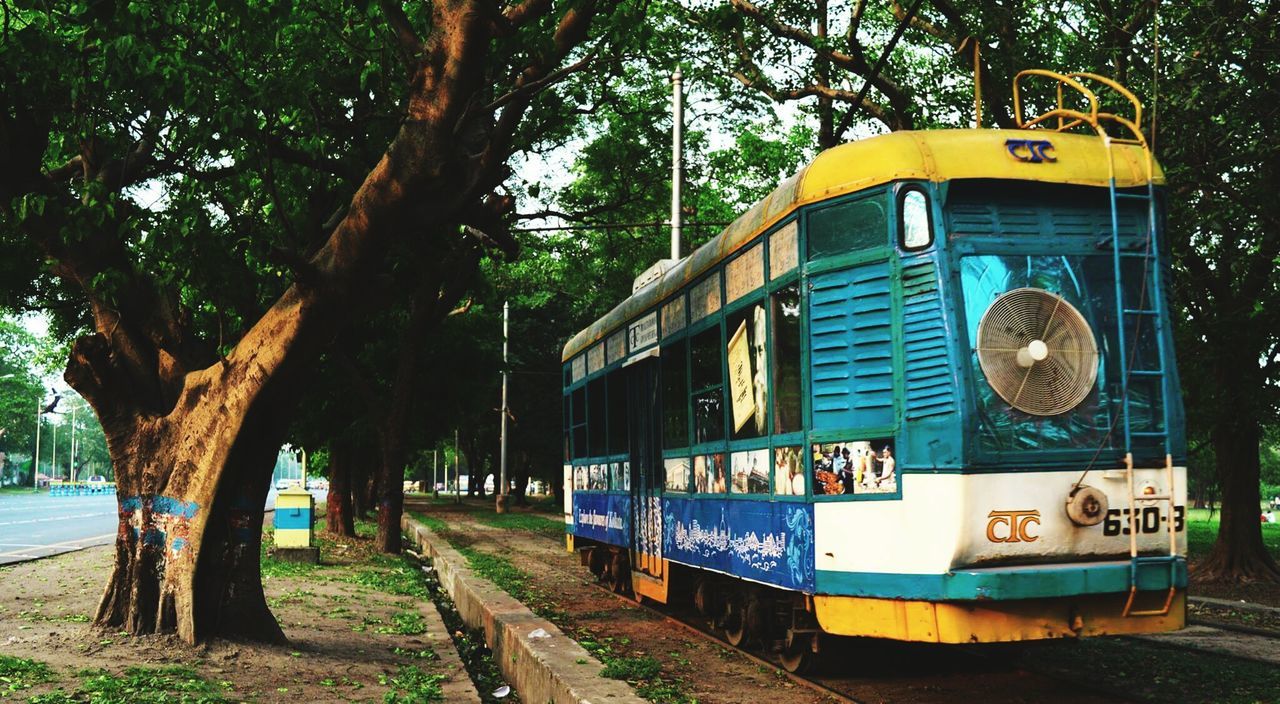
[1088,283]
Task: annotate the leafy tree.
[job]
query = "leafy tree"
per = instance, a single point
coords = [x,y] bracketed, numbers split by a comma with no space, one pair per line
[210,193]
[20,391]
[1225,221]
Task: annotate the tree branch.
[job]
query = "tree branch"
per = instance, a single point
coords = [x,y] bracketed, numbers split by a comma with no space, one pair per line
[411,48]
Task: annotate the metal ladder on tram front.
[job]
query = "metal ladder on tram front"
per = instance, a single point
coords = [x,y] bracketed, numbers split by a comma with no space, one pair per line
[1149,308]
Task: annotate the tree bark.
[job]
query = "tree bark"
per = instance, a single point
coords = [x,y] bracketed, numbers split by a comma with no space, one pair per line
[1239,553]
[339,519]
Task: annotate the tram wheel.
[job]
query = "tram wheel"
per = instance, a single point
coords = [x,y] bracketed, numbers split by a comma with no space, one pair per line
[619,579]
[798,656]
[704,597]
[734,620]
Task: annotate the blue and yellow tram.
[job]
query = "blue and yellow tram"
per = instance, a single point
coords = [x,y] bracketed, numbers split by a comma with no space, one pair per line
[925,390]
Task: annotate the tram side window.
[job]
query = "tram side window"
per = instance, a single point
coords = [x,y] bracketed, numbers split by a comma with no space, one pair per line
[675,396]
[786,359]
[617,442]
[707,382]
[851,226]
[578,404]
[748,372]
[595,418]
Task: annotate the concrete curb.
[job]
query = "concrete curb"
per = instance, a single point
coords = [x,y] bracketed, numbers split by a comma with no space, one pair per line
[541,669]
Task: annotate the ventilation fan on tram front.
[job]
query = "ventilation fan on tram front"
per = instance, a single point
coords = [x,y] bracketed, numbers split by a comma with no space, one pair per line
[1037,352]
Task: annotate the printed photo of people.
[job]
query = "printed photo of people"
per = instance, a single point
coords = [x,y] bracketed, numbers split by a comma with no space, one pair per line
[677,474]
[855,467]
[751,472]
[598,480]
[615,476]
[626,476]
[579,478]
[708,474]
[788,471]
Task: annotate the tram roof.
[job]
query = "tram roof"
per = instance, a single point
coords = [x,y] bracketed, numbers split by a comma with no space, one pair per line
[929,155]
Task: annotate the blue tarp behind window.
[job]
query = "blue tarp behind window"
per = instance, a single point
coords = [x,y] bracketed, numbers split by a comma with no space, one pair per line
[1086,282]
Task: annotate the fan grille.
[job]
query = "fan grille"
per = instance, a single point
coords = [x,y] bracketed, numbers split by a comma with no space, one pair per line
[1037,352]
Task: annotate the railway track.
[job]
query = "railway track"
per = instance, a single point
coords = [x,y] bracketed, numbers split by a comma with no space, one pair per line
[879,671]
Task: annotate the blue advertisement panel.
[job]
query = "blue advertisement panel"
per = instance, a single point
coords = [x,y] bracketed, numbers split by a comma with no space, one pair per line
[765,541]
[603,517]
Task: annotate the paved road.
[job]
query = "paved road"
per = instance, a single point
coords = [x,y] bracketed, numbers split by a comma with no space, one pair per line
[38,525]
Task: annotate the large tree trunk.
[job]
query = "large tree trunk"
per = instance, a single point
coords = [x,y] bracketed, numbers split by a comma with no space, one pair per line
[1239,553]
[339,519]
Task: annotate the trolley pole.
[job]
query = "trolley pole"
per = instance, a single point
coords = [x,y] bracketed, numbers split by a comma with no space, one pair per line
[35,461]
[677,160]
[502,498]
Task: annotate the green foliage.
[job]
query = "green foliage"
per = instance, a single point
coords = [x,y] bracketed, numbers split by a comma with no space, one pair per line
[400,578]
[145,685]
[411,685]
[530,522]
[405,623]
[1202,531]
[20,673]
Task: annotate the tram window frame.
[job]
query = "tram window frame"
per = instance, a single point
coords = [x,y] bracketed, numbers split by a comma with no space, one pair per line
[597,412]
[578,414]
[674,356]
[616,435]
[900,205]
[734,316]
[712,332]
[838,206]
[776,359]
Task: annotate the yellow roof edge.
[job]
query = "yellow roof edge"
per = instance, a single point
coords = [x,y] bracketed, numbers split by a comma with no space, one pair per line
[932,155]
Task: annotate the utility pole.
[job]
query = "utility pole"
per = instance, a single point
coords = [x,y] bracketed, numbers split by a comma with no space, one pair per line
[677,159]
[35,461]
[53,461]
[503,498]
[73,442]
[457,470]
[435,479]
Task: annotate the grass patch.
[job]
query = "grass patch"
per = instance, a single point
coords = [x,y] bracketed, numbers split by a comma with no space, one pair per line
[436,524]
[643,672]
[400,578]
[528,522]
[514,581]
[17,674]
[411,684]
[1202,532]
[405,623]
[148,685]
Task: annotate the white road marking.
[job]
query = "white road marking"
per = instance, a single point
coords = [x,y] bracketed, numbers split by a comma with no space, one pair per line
[58,518]
[69,544]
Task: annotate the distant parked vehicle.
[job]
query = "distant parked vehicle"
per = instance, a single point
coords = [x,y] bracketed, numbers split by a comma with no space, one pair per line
[97,479]
[282,484]
[318,484]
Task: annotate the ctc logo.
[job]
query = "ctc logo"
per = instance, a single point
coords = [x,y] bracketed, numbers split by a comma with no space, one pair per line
[1034,151]
[1012,526]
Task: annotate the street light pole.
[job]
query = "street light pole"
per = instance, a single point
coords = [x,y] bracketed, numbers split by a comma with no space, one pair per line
[503,498]
[73,442]
[35,461]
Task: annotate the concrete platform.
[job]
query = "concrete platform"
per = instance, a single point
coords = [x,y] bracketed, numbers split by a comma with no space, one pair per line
[547,667]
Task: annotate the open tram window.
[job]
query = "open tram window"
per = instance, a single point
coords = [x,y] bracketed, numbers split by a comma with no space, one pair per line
[675,395]
[748,372]
[617,436]
[707,384]
[596,417]
[708,474]
[855,467]
[786,359]
[848,227]
[915,225]
[578,411]
[788,471]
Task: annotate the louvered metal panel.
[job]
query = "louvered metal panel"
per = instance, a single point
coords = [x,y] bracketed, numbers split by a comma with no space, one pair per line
[930,390]
[851,361]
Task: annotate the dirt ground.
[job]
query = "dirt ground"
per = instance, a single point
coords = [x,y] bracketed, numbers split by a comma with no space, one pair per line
[709,673]
[349,637]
